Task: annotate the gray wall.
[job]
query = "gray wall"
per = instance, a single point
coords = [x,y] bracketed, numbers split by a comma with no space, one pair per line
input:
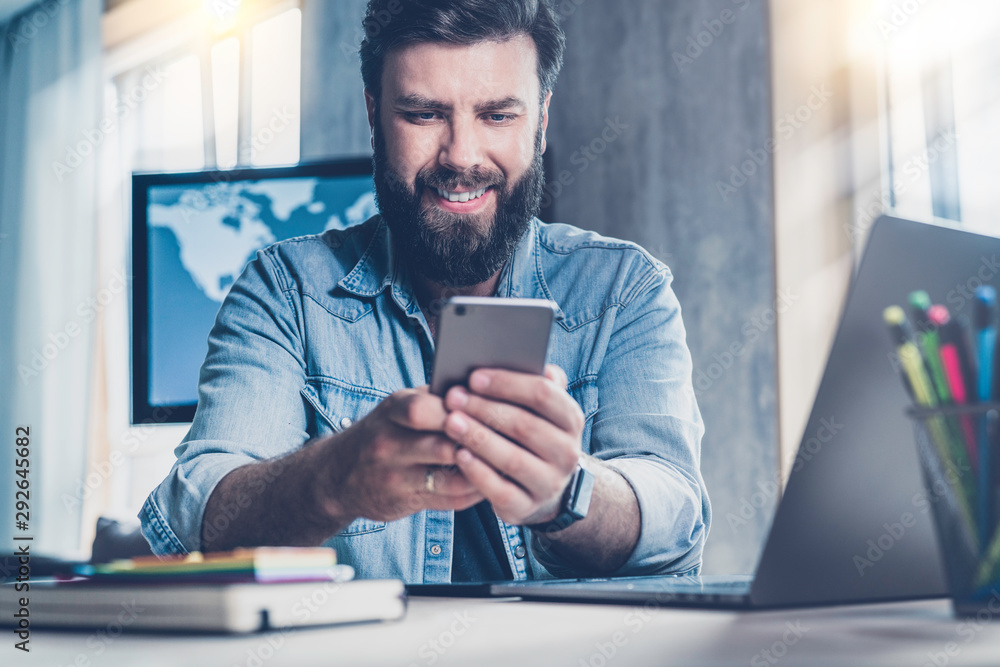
[334,120]
[676,128]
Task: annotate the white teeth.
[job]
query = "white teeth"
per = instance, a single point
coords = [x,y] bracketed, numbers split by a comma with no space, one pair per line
[461,196]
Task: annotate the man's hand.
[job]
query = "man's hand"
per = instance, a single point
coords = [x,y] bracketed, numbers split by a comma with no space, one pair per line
[520,437]
[378,467]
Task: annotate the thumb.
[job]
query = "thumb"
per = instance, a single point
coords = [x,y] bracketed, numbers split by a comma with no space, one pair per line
[557,375]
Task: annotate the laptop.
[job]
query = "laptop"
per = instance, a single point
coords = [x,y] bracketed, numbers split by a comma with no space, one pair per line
[854,524]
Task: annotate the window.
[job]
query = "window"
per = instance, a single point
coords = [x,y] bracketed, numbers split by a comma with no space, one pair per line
[196,84]
[942,90]
[221,98]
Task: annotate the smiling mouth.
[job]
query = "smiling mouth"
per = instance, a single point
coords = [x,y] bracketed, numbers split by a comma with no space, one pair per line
[461,196]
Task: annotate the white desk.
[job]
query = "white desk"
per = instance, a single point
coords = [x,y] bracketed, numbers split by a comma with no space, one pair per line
[501,632]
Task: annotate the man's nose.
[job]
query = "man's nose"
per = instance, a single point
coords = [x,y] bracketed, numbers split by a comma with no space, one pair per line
[462,148]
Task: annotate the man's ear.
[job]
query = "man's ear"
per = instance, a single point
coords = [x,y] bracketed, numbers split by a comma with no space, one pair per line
[545,117]
[371,106]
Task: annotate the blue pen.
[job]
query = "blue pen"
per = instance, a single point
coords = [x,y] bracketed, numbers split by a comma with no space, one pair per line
[984,321]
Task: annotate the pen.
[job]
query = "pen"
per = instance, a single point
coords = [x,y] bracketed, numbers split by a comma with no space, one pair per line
[984,324]
[909,357]
[955,362]
[962,428]
[923,392]
[984,321]
[930,342]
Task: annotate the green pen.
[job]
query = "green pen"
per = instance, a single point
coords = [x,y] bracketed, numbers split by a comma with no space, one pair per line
[930,343]
[952,458]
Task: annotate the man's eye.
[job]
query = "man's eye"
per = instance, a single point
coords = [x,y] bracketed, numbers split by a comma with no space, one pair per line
[422,115]
[500,117]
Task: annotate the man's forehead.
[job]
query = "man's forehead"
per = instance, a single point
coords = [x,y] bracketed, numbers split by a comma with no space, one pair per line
[463,75]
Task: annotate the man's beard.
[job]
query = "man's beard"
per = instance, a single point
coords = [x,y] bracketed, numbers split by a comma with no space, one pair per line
[456,249]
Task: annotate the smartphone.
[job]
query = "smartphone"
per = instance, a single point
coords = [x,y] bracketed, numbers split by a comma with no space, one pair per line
[490,332]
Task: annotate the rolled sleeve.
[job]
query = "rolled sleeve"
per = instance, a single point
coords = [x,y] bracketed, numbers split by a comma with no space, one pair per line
[667,498]
[648,428]
[249,405]
[172,514]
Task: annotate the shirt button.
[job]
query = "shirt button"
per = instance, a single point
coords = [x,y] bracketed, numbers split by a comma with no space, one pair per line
[436,549]
[345,422]
[519,551]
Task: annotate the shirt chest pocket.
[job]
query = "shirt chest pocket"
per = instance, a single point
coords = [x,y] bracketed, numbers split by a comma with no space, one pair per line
[335,406]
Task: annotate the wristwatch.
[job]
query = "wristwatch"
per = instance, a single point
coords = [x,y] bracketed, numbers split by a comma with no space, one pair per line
[575,501]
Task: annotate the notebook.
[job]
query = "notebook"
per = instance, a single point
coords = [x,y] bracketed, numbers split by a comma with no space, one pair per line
[204,607]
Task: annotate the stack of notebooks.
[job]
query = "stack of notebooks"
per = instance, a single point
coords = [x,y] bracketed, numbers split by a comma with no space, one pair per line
[246,590]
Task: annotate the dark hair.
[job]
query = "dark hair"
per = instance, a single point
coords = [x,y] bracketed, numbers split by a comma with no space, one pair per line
[390,24]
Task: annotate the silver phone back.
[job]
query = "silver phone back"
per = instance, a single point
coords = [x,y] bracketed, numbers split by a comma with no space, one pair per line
[490,332]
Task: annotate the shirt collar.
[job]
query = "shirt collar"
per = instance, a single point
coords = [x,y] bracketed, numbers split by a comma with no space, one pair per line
[523,277]
[372,272]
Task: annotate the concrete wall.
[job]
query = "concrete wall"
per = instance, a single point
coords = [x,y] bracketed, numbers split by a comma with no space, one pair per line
[334,121]
[646,124]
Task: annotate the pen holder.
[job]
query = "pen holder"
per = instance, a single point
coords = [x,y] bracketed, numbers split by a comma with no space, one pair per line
[959,449]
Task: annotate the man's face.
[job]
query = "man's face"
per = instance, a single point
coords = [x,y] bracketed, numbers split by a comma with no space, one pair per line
[458,137]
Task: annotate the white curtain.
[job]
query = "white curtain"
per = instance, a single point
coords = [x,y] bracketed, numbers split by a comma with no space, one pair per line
[50,126]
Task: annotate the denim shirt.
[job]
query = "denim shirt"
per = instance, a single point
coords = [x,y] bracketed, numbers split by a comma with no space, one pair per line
[319,329]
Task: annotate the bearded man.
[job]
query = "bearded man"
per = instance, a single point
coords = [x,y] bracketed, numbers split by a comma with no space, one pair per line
[314,423]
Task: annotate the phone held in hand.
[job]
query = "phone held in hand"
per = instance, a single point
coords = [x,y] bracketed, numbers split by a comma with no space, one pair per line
[490,332]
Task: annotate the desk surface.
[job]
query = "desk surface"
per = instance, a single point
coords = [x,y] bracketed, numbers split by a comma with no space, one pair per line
[456,631]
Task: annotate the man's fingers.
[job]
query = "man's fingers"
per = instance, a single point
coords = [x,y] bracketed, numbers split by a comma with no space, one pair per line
[509,458]
[510,502]
[459,503]
[523,427]
[448,483]
[416,409]
[429,449]
[557,375]
[539,394]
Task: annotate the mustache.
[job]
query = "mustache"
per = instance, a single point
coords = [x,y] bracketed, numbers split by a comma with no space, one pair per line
[446,179]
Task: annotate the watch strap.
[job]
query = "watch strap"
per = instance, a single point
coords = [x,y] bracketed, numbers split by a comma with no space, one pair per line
[575,502]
